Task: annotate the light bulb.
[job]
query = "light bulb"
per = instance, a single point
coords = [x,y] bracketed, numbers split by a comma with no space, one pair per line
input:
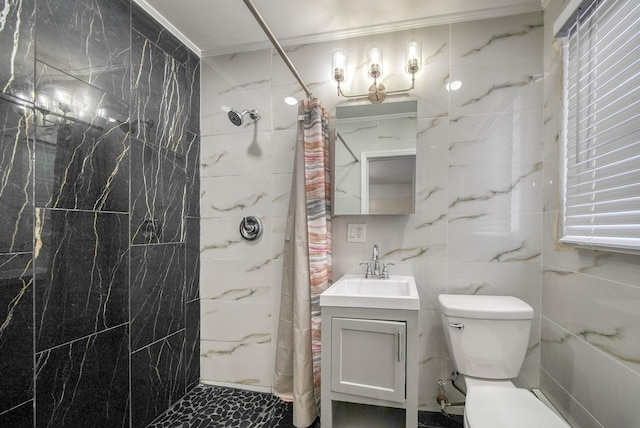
[374,52]
[339,65]
[413,54]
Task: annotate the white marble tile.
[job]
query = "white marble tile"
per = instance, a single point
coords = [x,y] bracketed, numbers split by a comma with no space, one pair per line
[602,313]
[551,183]
[433,142]
[284,145]
[553,105]
[276,281]
[618,267]
[236,280]
[280,193]
[552,131]
[490,139]
[279,227]
[521,280]
[497,39]
[416,238]
[436,45]
[431,341]
[285,116]
[431,91]
[241,322]
[239,364]
[220,240]
[214,120]
[236,154]
[495,237]
[529,375]
[431,280]
[236,72]
[313,62]
[508,188]
[432,183]
[234,196]
[505,87]
[340,268]
[598,382]
[576,415]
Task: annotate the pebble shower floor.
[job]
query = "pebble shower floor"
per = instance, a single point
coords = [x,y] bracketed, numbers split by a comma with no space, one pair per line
[214,406]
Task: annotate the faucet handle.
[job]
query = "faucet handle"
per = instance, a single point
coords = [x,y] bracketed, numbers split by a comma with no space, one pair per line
[385,271]
[368,272]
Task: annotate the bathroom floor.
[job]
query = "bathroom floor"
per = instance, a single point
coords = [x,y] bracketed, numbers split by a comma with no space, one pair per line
[214,406]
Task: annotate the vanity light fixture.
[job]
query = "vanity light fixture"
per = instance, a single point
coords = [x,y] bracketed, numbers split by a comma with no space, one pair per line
[377,92]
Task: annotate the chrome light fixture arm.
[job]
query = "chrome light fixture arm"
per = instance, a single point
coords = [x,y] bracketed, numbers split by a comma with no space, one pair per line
[377,91]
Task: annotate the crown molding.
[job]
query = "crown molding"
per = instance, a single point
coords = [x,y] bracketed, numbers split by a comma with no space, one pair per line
[430,21]
[495,12]
[168,25]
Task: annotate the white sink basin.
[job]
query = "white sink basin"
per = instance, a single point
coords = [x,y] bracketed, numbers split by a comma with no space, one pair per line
[397,292]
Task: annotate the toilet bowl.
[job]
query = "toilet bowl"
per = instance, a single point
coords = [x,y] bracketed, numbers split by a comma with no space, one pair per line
[487,338]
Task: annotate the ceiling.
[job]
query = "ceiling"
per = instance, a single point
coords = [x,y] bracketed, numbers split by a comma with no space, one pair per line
[214,27]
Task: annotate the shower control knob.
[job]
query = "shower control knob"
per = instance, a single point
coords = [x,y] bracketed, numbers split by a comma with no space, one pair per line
[251,228]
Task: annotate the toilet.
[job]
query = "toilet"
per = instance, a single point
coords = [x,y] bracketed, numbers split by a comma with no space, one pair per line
[487,338]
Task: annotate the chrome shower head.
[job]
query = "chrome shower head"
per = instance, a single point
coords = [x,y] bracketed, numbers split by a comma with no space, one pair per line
[237,118]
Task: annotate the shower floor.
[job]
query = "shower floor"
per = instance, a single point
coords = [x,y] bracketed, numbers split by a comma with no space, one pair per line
[214,406]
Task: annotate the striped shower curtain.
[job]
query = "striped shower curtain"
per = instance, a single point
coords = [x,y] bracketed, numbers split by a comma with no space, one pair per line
[307,268]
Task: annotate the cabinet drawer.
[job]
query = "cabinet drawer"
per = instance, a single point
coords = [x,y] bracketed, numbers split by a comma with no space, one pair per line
[368,358]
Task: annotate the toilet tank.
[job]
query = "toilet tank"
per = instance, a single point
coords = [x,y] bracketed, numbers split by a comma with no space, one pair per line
[487,336]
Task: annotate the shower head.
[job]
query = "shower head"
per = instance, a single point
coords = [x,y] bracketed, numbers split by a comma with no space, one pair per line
[237,118]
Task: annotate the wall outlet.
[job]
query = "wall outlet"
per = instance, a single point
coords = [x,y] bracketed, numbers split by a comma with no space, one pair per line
[356,232]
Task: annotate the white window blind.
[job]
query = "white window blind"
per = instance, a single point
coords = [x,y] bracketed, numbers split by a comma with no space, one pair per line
[601,191]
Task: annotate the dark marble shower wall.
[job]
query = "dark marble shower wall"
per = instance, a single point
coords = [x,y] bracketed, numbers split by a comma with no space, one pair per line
[99,215]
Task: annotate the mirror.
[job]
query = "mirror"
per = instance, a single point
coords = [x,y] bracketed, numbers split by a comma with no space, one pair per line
[375,159]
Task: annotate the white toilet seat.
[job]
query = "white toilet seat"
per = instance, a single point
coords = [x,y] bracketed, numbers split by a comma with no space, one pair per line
[497,407]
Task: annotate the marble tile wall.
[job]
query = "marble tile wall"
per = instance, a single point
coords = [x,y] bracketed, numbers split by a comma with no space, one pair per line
[99,207]
[478,223]
[590,340]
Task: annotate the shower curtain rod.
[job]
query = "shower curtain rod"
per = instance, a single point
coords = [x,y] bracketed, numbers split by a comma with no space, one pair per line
[277,46]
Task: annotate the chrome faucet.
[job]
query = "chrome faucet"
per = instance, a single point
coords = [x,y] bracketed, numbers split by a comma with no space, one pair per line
[376,261]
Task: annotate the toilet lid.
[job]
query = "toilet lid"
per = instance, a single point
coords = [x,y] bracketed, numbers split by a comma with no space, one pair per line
[496,407]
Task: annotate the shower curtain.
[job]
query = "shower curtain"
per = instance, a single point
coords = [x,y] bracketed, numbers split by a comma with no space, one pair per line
[307,268]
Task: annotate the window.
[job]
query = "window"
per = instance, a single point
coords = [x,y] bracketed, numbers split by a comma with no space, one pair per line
[601,171]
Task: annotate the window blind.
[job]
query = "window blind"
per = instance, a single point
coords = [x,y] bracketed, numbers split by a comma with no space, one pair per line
[601,183]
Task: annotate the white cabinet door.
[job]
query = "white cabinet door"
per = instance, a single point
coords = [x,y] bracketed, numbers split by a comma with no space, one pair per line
[368,358]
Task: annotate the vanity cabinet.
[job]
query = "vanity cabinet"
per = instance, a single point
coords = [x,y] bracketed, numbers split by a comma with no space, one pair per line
[369,356]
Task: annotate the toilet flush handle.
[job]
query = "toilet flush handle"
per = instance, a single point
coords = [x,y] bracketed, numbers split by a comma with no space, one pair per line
[459,325]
